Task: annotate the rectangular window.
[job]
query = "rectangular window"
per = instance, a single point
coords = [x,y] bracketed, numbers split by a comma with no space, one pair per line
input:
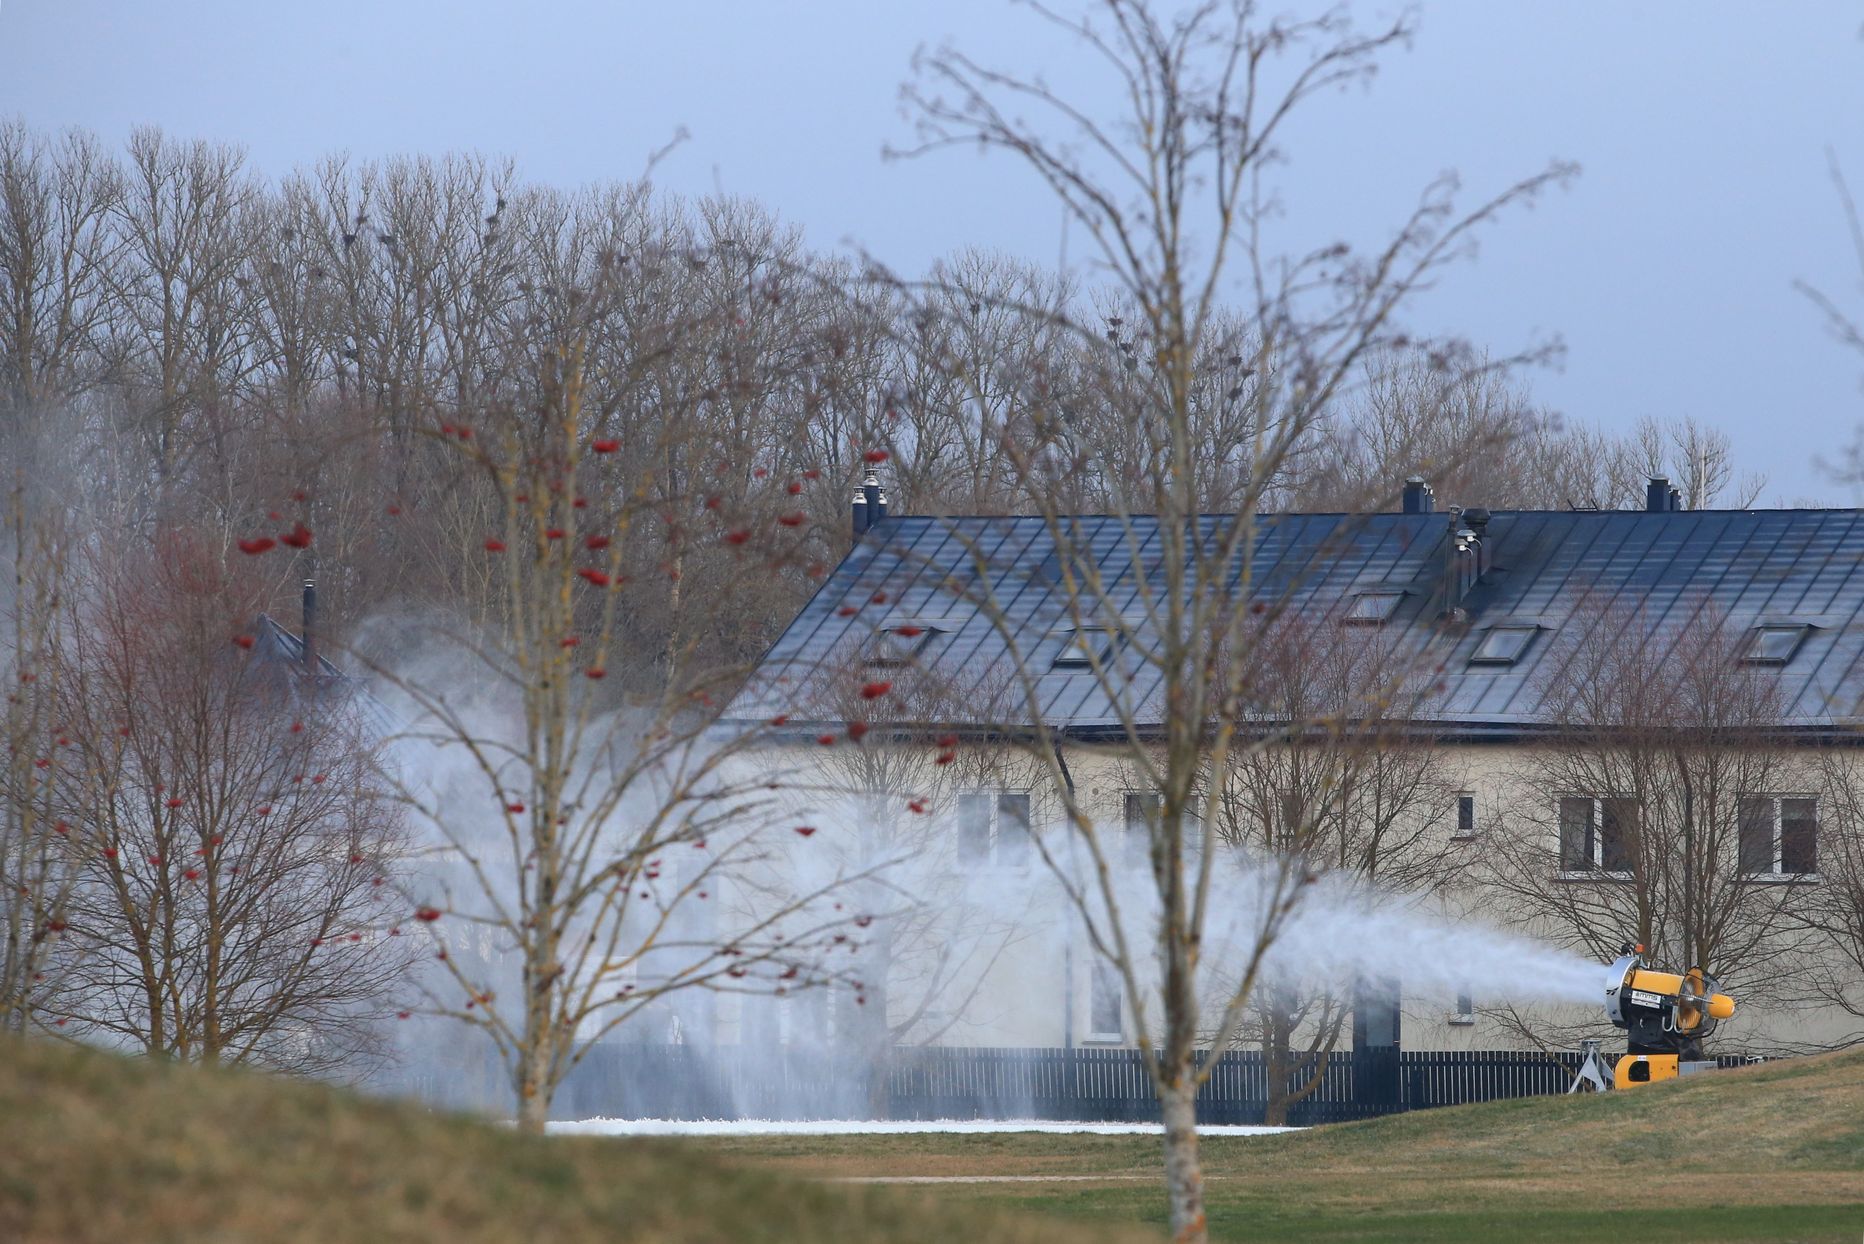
[1015,846]
[1465,1012]
[1779,836]
[898,644]
[1774,645]
[974,817]
[994,827]
[1106,1008]
[1577,839]
[1598,835]
[1085,648]
[1617,835]
[1142,813]
[1756,831]
[1373,607]
[1503,645]
[1465,816]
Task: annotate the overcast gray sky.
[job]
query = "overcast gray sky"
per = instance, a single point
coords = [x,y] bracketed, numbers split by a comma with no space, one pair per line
[1667,268]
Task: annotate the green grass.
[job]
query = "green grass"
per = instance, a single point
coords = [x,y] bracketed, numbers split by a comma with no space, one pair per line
[97,1148]
[1769,1153]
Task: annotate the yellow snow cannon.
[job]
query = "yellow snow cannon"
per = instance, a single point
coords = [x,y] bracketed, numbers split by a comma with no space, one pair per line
[1665,1016]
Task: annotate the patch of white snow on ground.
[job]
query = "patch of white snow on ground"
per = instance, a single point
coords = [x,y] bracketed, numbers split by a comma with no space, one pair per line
[863,1127]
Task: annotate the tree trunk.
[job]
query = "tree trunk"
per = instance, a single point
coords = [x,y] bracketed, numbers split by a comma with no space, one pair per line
[1184,1176]
[535,1086]
[1275,1069]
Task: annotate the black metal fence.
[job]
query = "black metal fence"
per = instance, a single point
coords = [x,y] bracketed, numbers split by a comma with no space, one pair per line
[1078,1085]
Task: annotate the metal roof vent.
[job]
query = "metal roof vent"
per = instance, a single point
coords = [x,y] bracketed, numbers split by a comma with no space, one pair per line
[1660,497]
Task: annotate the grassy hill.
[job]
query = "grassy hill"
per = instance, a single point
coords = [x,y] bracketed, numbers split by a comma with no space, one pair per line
[1766,1153]
[95,1149]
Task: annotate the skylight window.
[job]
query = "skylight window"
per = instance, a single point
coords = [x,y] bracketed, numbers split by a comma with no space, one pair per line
[1775,645]
[1503,645]
[1084,648]
[1373,607]
[898,644]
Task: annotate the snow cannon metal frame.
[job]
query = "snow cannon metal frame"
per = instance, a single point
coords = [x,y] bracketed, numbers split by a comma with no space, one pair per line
[1665,1016]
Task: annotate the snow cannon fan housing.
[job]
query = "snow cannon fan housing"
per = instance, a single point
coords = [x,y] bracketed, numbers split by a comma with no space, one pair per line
[1665,1016]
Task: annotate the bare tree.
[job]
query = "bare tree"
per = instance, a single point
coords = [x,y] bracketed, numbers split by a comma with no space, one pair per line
[38,857]
[1833,912]
[56,253]
[1354,791]
[1172,192]
[241,846]
[608,846]
[1664,809]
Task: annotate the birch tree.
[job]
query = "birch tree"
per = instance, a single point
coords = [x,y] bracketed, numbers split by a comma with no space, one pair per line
[1171,182]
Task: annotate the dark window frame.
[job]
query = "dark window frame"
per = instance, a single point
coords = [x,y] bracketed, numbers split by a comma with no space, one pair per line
[1106,998]
[1136,826]
[886,647]
[1796,633]
[996,828]
[1073,655]
[1528,631]
[1601,847]
[1463,1009]
[1465,816]
[1362,611]
[1787,828]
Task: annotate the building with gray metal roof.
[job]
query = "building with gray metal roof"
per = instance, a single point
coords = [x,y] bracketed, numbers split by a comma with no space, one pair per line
[973,591]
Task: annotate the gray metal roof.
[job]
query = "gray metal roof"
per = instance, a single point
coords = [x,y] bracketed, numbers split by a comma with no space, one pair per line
[1751,566]
[279,655]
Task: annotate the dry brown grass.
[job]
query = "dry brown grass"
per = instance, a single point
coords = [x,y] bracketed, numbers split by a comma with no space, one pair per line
[96,1148]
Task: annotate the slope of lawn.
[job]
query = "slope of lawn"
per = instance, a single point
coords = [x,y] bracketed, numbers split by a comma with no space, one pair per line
[97,1148]
[1767,1153]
